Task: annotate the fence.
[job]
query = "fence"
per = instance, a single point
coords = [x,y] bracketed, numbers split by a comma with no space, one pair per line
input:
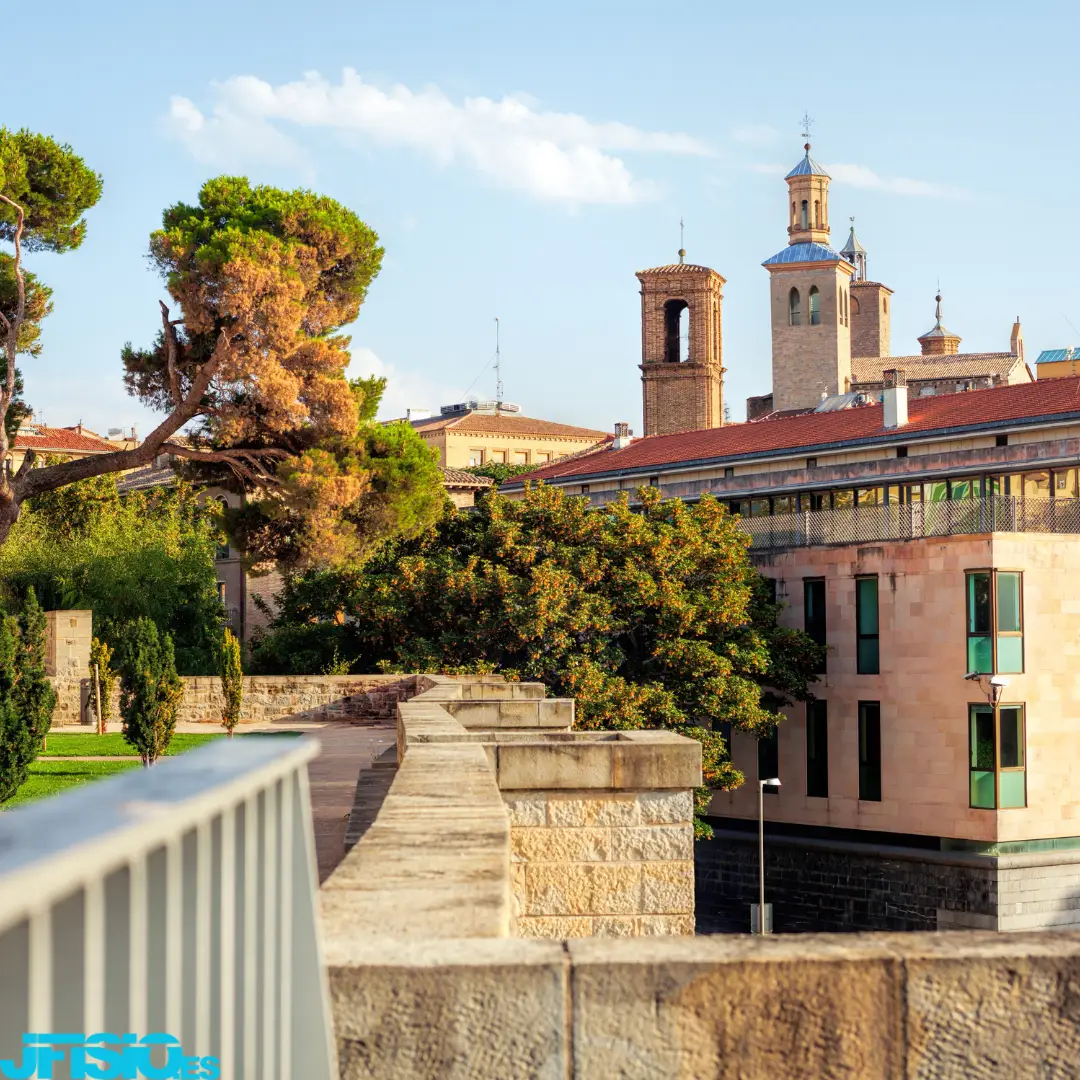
[868,524]
[179,899]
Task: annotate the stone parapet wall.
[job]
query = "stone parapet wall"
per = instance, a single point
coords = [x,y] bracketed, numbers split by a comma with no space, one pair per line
[352,698]
[859,1006]
[602,863]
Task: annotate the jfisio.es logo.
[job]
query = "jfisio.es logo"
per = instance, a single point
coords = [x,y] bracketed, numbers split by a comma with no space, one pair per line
[106,1056]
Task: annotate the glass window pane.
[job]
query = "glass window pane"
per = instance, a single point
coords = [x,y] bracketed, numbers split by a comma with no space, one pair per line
[759,507]
[868,657]
[870,751]
[982,790]
[842,499]
[783,504]
[1010,655]
[1065,483]
[982,737]
[980,655]
[873,496]
[979,606]
[769,757]
[817,750]
[914,493]
[1037,485]
[1008,601]
[960,489]
[868,605]
[936,492]
[1011,719]
[1013,789]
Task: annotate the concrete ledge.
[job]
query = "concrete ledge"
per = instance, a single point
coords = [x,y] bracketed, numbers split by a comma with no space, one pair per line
[860,1006]
[515,713]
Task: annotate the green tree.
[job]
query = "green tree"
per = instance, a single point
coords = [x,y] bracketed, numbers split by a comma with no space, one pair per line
[27,698]
[232,681]
[150,689]
[650,618]
[101,675]
[253,367]
[499,471]
[146,554]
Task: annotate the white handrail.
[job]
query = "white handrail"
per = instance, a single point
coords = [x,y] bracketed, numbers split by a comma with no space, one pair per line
[179,899]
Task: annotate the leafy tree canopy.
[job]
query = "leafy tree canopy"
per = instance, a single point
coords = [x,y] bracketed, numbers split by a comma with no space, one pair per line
[650,619]
[500,471]
[146,554]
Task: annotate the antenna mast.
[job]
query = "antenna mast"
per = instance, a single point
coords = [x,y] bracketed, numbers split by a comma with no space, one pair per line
[498,367]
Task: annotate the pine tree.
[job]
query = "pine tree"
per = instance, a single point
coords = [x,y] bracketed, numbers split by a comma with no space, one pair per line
[27,698]
[151,691]
[232,681]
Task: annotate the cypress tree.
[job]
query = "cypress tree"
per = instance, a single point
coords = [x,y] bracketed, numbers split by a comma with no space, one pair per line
[151,691]
[27,698]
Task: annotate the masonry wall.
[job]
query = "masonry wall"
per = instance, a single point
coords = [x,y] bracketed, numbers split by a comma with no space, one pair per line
[602,863]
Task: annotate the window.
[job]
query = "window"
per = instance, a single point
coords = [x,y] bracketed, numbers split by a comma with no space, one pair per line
[817,212]
[584,489]
[676,331]
[1037,485]
[542,458]
[997,783]
[768,758]
[221,591]
[498,455]
[866,619]
[783,504]
[1001,440]
[805,215]
[815,306]
[729,471]
[521,457]
[995,625]
[870,751]
[884,305]
[811,462]
[654,481]
[901,451]
[814,612]
[854,305]
[794,308]
[817,750]
[873,496]
[476,456]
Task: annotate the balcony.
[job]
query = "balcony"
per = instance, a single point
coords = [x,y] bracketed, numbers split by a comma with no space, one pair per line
[916,521]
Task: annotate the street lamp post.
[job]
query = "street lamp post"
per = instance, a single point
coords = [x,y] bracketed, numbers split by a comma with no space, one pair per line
[762,785]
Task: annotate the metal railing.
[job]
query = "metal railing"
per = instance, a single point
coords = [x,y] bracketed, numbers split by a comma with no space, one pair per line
[178,899]
[867,524]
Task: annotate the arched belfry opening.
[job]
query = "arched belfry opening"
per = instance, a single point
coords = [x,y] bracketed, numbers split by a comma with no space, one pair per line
[676,331]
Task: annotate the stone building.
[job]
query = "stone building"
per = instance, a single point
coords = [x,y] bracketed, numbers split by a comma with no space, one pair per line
[482,433]
[931,539]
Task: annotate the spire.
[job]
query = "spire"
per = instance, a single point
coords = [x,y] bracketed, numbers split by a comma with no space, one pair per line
[938,341]
[682,249]
[855,254]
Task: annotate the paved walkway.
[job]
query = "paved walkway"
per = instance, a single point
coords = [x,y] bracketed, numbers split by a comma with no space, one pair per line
[346,749]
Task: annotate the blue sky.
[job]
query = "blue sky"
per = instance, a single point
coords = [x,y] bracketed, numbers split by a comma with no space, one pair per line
[523,161]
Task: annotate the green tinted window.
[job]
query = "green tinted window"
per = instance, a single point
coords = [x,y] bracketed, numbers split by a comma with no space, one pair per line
[1008,602]
[978,605]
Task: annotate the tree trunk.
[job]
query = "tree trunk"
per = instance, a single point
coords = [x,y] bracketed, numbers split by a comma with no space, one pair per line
[9,513]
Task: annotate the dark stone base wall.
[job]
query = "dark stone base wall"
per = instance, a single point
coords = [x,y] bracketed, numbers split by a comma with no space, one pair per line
[817,885]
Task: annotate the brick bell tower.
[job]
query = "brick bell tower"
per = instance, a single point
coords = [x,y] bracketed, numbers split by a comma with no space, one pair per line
[682,377]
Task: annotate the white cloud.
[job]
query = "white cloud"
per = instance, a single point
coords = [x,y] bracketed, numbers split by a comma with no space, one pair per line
[404,389]
[861,177]
[547,155]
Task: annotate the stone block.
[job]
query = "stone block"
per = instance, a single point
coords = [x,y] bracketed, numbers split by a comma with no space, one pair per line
[560,765]
[665,807]
[616,926]
[556,713]
[561,845]
[665,926]
[450,1010]
[667,888]
[666,762]
[526,808]
[612,808]
[652,843]
[558,927]
[582,889]
[736,1008]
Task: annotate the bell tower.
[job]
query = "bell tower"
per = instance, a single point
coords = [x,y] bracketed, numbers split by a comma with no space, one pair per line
[682,377]
[809,297]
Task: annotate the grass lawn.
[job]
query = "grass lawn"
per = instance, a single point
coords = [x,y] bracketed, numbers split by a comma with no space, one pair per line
[50,777]
[76,744]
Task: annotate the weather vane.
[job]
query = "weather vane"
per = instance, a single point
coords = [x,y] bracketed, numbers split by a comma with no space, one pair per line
[682,251]
[807,123]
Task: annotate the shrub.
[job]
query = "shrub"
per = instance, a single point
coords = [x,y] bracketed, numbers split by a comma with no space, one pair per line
[104,678]
[151,691]
[232,681]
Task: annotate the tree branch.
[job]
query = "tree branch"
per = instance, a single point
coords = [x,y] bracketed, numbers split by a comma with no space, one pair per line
[171,349]
[33,481]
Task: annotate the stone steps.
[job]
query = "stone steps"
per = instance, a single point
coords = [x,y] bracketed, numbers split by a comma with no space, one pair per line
[371,787]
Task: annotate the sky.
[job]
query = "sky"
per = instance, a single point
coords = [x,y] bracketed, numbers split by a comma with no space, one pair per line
[522,161]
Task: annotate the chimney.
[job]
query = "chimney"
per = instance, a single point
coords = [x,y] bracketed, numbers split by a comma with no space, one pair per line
[417,414]
[1016,340]
[894,398]
[623,436]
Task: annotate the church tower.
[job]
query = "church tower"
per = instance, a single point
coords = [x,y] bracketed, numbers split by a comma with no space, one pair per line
[809,298]
[682,377]
[869,315]
[937,341]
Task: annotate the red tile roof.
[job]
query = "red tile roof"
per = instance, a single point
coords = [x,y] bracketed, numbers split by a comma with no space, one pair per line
[63,440]
[868,369]
[478,423]
[991,408]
